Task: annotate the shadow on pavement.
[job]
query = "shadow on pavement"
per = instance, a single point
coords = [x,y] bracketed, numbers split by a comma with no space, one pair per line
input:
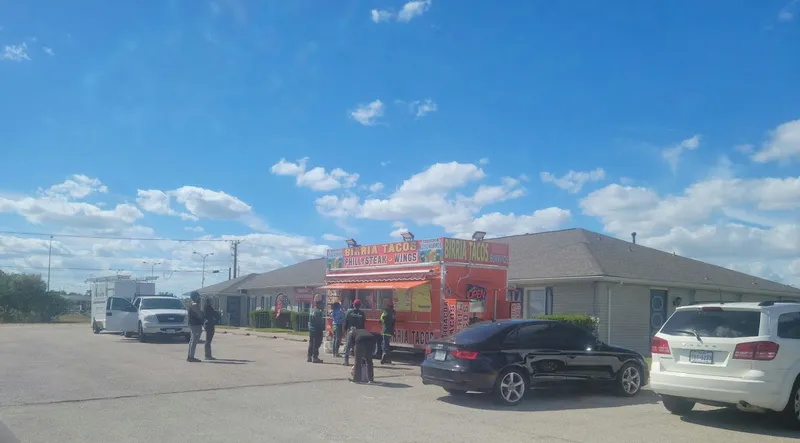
[386,384]
[554,399]
[157,341]
[227,362]
[733,420]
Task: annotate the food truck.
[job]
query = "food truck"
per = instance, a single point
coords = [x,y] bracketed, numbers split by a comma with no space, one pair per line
[439,286]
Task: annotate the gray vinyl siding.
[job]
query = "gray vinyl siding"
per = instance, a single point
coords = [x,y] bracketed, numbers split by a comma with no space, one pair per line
[574,299]
[630,317]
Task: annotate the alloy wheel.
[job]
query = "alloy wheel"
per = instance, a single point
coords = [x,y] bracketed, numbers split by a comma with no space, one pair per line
[512,387]
[631,380]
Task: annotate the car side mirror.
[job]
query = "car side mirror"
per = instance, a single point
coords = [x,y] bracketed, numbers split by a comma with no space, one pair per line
[131,309]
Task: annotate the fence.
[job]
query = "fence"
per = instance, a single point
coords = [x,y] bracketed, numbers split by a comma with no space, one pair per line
[297,321]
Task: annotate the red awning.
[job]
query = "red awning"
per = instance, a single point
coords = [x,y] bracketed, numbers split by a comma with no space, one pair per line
[376,285]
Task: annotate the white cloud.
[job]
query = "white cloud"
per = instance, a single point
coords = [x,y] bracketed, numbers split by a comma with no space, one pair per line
[573,181]
[782,145]
[725,220]
[48,50]
[368,114]
[411,9]
[316,178]
[379,16]
[333,237]
[787,13]
[194,229]
[78,186]
[216,205]
[15,53]
[423,107]
[672,155]
[509,189]
[376,187]
[484,161]
[155,201]
[338,207]
[62,212]
[414,8]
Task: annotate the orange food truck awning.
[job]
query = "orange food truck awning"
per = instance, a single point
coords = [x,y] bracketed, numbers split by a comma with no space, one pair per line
[376,285]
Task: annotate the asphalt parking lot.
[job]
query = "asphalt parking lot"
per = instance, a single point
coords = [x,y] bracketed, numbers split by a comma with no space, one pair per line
[62,383]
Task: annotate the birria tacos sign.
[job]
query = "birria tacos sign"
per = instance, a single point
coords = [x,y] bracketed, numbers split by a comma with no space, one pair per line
[386,254]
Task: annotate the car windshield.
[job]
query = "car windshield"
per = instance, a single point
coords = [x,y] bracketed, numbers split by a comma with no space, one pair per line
[480,332]
[161,303]
[716,323]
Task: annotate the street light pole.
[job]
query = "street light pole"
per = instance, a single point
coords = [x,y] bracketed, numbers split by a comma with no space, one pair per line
[152,268]
[203,256]
[49,258]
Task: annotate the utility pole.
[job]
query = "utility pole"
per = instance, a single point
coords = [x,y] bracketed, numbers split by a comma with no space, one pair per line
[235,251]
[204,256]
[49,257]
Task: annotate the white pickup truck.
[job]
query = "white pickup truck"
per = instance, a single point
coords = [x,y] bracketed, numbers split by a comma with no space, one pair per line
[146,317]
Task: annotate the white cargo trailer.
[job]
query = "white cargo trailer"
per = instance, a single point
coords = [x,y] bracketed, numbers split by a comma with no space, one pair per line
[107,315]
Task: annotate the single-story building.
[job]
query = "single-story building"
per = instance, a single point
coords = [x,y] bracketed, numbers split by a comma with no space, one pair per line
[631,289]
[293,284]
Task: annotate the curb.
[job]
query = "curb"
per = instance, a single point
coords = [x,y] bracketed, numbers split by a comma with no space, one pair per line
[263,335]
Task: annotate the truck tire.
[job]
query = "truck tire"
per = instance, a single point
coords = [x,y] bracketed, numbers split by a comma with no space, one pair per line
[141,335]
[95,327]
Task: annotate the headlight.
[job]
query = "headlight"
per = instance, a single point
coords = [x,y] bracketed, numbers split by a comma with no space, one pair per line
[150,318]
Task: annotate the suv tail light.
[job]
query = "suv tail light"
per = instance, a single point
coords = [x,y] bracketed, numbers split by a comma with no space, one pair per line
[466,355]
[757,350]
[427,350]
[660,346]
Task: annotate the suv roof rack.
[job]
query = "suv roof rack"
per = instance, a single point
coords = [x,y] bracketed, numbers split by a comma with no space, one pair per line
[774,302]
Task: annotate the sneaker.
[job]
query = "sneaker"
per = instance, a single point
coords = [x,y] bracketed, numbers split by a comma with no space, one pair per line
[309,360]
[316,360]
[346,363]
[210,358]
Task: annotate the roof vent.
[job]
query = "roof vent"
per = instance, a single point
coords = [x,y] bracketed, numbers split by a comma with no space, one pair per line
[633,235]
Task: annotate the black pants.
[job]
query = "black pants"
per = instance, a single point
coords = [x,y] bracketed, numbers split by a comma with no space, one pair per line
[314,342]
[209,336]
[364,350]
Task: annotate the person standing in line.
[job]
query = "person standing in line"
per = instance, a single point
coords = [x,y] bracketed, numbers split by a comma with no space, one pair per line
[212,319]
[195,325]
[354,318]
[316,326]
[364,343]
[388,317]
[337,317]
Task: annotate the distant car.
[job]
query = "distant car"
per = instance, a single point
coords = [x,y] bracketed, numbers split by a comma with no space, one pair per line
[742,355]
[161,316]
[505,357]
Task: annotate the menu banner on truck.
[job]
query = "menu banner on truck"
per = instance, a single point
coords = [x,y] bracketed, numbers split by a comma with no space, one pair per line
[478,252]
[386,254]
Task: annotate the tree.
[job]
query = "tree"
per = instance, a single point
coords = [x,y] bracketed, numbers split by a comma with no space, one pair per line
[24,297]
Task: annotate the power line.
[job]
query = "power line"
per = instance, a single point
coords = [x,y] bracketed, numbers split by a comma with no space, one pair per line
[106,237]
[95,269]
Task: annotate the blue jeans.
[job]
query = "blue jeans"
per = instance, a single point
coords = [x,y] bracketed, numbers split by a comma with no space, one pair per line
[337,338]
[387,339]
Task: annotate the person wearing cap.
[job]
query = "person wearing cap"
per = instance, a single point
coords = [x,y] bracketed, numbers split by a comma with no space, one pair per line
[337,317]
[316,327]
[388,317]
[196,320]
[354,319]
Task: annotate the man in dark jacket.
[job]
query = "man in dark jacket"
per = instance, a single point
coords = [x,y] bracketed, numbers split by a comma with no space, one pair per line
[354,318]
[316,326]
[388,318]
[195,325]
[212,319]
[364,343]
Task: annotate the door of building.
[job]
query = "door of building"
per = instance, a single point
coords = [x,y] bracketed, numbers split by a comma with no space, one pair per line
[234,310]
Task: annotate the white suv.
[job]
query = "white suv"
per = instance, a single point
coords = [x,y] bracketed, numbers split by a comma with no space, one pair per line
[743,355]
[163,316]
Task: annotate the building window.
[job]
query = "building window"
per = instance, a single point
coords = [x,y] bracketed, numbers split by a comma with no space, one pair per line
[383,297]
[538,302]
[367,298]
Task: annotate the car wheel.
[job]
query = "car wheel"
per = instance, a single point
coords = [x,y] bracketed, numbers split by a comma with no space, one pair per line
[677,405]
[95,327]
[629,379]
[792,412]
[510,387]
[455,392]
[140,334]
[128,334]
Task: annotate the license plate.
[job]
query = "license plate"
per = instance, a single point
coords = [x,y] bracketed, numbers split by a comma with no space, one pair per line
[440,355]
[702,357]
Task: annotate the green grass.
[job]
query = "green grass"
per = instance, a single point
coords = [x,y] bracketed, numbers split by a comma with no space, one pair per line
[73,318]
[278,331]
[226,327]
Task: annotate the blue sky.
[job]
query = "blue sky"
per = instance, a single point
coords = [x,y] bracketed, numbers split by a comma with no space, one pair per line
[675,119]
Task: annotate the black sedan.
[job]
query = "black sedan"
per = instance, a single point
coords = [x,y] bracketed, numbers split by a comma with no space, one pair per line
[505,357]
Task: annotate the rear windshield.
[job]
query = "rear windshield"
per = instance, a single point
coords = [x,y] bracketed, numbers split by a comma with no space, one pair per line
[480,332]
[726,324]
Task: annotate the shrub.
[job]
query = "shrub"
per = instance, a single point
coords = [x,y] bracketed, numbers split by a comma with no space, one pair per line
[584,321]
[300,320]
[261,318]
